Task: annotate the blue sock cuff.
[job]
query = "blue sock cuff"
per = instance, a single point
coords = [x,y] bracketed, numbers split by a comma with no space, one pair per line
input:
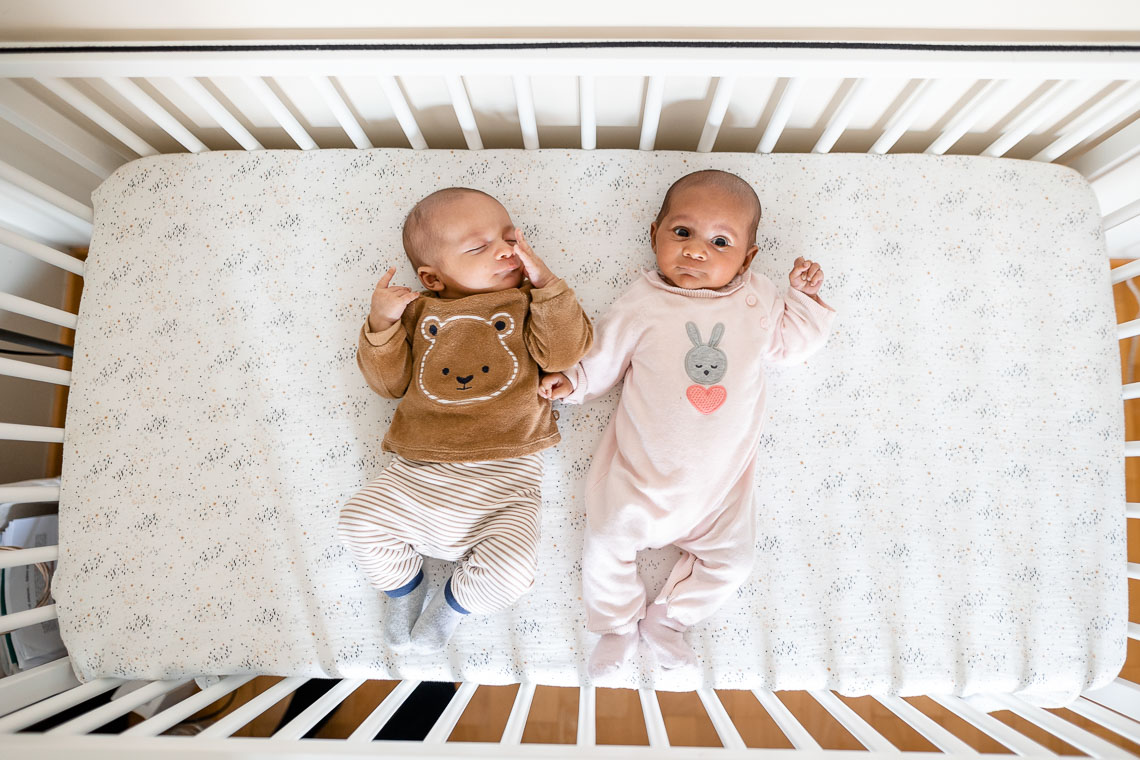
[451,599]
[408,587]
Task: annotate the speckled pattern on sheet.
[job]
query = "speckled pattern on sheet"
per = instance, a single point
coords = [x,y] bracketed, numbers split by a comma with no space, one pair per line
[940,497]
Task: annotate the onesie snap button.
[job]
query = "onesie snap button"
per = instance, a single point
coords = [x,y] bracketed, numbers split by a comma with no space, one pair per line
[764,322]
[751,300]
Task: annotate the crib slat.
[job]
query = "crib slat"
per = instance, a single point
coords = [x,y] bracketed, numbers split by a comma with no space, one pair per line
[327,702]
[1120,695]
[10,431]
[1122,146]
[1132,509]
[218,112]
[1086,708]
[725,729]
[840,118]
[1132,448]
[341,112]
[29,114]
[859,728]
[102,715]
[451,714]
[516,723]
[28,494]
[18,305]
[1044,107]
[81,213]
[967,116]
[403,113]
[719,106]
[934,733]
[1063,729]
[651,112]
[38,250]
[780,116]
[31,556]
[376,720]
[1133,570]
[53,705]
[1123,330]
[254,707]
[1134,631]
[524,102]
[587,112]
[462,107]
[1104,114]
[22,689]
[67,92]
[587,718]
[992,727]
[905,116]
[281,114]
[15,620]
[783,718]
[1120,216]
[175,714]
[29,371]
[654,723]
[156,113]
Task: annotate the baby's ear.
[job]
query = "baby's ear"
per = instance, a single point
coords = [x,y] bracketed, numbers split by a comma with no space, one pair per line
[429,328]
[694,333]
[503,323]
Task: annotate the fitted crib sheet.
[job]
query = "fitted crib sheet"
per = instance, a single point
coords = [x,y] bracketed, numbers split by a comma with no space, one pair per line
[940,497]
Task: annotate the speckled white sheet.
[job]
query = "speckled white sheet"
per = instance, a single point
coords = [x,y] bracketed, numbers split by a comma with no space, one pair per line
[941,490]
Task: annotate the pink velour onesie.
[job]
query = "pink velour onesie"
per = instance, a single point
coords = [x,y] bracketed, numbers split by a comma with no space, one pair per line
[677,461]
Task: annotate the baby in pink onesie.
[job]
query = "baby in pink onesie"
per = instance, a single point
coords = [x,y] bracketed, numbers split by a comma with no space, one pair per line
[676,465]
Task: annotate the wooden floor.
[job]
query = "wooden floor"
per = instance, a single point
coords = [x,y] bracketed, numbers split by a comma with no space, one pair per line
[554,711]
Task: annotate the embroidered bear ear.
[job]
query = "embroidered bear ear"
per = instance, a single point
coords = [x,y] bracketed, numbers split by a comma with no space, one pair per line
[429,328]
[717,334]
[694,333]
[503,323]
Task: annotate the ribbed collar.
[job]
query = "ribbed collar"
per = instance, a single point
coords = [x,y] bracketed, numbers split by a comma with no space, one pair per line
[734,285]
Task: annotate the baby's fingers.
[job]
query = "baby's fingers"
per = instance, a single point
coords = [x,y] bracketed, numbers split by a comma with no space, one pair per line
[386,278]
[522,243]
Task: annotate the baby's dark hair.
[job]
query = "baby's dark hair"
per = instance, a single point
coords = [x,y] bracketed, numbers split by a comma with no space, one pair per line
[725,181]
[420,222]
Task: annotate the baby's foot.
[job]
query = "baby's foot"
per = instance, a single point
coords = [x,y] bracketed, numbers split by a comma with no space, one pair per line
[401,610]
[666,639]
[438,621]
[611,654]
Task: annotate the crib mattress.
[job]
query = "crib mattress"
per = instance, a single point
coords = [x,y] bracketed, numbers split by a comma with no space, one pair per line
[940,495]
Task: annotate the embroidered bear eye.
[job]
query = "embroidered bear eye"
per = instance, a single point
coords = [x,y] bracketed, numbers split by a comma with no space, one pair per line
[712,366]
[486,368]
[500,325]
[446,370]
[699,366]
[433,329]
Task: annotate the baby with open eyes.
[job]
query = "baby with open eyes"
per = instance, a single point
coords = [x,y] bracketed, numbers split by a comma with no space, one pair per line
[676,465]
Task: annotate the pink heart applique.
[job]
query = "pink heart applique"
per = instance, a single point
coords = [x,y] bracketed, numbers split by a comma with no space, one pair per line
[706,400]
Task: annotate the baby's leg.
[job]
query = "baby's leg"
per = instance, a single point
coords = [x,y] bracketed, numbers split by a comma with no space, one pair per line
[373,530]
[501,564]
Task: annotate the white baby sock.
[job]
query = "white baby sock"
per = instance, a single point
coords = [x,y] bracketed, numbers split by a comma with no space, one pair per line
[611,654]
[401,609]
[666,639]
[438,621]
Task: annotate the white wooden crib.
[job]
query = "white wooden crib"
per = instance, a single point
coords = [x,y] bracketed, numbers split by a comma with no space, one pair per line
[82,111]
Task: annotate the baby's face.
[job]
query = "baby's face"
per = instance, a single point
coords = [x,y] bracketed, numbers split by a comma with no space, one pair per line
[703,240]
[473,249]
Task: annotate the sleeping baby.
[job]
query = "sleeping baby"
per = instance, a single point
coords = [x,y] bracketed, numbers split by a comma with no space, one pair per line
[464,357]
[676,464]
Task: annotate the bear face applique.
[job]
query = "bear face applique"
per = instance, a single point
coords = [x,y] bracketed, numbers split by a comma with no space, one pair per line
[467,360]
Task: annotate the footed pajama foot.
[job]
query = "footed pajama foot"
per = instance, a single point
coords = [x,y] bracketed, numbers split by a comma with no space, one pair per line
[665,637]
[611,654]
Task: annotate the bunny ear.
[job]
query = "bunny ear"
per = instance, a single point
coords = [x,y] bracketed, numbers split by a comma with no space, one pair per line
[694,333]
[717,334]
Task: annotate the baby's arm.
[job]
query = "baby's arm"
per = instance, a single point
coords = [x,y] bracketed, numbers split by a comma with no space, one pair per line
[801,321]
[604,366]
[558,332]
[384,353]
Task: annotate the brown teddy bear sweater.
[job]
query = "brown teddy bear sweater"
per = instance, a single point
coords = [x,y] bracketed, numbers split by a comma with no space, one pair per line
[467,371]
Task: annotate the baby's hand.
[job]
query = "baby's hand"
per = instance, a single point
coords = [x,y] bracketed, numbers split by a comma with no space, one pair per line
[806,276]
[555,386]
[538,273]
[388,303]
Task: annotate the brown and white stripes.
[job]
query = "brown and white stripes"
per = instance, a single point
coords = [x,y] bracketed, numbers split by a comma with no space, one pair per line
[484,515]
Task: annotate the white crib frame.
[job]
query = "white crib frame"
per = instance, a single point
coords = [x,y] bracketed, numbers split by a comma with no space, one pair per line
[47,690]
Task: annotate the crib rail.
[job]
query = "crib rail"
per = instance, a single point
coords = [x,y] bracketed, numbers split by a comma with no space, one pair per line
[84,111]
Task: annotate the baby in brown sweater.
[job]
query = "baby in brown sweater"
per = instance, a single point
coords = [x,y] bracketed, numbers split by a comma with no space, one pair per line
[464,356]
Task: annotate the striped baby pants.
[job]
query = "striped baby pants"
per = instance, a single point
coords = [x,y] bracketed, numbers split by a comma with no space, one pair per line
[483,515]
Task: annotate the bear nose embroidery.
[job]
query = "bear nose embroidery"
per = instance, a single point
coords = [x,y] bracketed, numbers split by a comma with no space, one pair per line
[706,371]
[465,380]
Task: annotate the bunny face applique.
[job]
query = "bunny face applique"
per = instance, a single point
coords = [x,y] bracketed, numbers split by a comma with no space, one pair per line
[705,364]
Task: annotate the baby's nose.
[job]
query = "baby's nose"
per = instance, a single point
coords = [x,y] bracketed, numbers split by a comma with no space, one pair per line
[695,253]
[505,252]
